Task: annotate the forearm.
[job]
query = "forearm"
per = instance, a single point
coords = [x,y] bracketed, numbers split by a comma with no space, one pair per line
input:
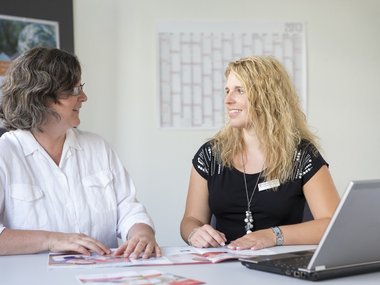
[23,241]
[309,232]
[28,241]
[188,224]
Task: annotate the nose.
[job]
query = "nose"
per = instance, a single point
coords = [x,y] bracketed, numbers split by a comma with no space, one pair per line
[83,96]
[229,98]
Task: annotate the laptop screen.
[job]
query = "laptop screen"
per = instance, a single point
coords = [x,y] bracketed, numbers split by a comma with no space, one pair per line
[353,234]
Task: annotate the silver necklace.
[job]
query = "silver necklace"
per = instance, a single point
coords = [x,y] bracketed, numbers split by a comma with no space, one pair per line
[249,221]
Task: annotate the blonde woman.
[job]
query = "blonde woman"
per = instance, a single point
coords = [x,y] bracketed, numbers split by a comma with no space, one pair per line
[255,176]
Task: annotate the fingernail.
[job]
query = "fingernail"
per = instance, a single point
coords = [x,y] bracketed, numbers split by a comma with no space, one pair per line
[222,244]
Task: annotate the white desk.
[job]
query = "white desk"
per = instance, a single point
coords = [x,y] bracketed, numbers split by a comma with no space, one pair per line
[32,269]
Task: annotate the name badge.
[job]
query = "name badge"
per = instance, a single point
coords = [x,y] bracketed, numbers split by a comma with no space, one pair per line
[269,184]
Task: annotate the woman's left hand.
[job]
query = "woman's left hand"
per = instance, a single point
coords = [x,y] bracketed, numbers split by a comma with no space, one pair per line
[255,240]
[141,243]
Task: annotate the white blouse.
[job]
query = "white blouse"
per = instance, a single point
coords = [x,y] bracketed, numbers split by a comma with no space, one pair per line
[89,192]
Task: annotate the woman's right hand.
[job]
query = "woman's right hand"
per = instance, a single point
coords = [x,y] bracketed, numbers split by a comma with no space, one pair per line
[58,242]
[206,236]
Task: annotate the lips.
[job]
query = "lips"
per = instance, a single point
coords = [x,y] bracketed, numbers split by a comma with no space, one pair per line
[234,111]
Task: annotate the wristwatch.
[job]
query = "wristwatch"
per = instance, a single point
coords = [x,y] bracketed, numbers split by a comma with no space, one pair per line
[279,237]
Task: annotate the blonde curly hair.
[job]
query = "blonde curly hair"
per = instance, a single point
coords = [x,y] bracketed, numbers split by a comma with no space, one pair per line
[274,112]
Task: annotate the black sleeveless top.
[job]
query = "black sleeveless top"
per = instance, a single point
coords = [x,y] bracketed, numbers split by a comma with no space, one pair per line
[228,199]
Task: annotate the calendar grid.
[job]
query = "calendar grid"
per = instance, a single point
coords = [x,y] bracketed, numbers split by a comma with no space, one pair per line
[192,63]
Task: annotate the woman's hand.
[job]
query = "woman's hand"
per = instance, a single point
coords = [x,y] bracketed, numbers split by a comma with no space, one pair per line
[206,236]
[141,242]
[81,243]
[255,240]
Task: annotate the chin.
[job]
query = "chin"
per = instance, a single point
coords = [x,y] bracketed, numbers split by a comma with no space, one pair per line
[236,125]
[76,124]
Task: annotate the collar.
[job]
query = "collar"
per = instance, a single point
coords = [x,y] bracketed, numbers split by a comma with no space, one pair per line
[29,144]
[72,139]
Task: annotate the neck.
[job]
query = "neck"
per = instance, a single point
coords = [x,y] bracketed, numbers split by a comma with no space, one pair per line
[251,141]
[253,155]
[51,141]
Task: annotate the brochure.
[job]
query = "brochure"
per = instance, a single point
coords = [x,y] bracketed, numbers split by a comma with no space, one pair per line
[75,260]
[137,278]
[170,256]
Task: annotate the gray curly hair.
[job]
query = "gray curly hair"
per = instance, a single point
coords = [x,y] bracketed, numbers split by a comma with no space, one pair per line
[33,80]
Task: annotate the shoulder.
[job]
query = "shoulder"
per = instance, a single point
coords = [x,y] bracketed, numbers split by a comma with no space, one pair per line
[15,145]
[89,142]
[85,135]
[15,139]
[5,144]
[87,138]
[307,150]
[307,160]
[306,145]
[205,162]
[205,151]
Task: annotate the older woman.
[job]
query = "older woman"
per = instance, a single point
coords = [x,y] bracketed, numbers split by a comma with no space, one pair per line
[255,175]
[61,189]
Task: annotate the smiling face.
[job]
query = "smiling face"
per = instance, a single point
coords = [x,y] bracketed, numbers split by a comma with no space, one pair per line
[68,107]
[236,102]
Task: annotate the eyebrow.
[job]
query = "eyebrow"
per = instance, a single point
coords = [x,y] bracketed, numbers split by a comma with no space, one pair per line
[236,87]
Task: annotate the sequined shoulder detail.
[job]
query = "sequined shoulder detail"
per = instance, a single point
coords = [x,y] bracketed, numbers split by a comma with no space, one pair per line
[303,160]
[205,161]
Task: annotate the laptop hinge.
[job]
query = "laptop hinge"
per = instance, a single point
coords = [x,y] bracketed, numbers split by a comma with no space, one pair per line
[320,267]
[323,267]
[317,268]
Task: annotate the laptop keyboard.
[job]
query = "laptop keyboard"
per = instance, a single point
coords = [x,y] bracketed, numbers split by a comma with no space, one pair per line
[291,262]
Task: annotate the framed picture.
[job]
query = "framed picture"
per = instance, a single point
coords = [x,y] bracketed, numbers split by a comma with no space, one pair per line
[18,34]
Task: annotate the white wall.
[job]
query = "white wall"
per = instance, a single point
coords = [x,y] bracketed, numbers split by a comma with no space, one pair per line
[115,41]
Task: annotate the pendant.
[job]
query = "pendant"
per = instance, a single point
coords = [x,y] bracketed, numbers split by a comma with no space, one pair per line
[248,221]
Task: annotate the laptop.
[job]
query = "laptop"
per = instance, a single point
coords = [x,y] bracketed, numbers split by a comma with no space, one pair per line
[350,244]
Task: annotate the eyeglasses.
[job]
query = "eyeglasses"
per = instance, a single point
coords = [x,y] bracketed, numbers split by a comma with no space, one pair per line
[77,90]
